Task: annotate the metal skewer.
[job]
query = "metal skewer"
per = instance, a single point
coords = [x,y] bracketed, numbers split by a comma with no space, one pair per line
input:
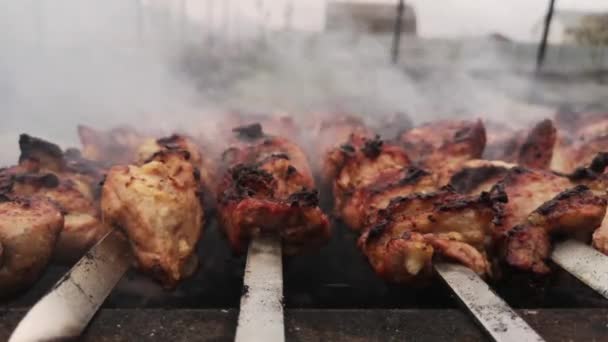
[261,315]
[490,311]
[584,262]
[66,310]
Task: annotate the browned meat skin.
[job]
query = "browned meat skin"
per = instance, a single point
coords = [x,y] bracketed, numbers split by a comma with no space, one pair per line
[201,162]
[268,188]
[463,138]
[69,181]
[82,222]
[157,204]
[401,243]
[362,162]
[444,146]
[359,209]
[113,147]
[537,150]
[29,229]
[542,200]
[478,175]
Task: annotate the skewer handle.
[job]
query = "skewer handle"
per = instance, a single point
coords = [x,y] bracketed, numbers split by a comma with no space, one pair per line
[261,315]
[66,310]
[584,262]
[491,312]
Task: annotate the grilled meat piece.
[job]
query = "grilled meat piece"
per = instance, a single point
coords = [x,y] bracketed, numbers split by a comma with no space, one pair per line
[113,147]
[29,229]
[82,222]
[542,200]
[407,234]
[268,188]
[69,181]
[361,162]
[201,162]
[444,146]
[359,209]
[157,204]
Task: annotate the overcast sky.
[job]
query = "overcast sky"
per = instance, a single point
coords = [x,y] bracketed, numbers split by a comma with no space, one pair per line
[444,18]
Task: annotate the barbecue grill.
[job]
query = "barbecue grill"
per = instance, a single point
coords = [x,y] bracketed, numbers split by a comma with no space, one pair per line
[331,295]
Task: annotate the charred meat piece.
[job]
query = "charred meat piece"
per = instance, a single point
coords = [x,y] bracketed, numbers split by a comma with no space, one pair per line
[69,181]
[201,162]
[82,221]
[540,200]
[360,208]
[442,147]
[267,188]
[157,204]
[413,229]
[29,229]
[361,162]
[113,147]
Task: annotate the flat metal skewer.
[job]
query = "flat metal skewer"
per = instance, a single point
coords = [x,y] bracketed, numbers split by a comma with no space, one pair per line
[261,315]
[584,262]
[491,312]
[66,310]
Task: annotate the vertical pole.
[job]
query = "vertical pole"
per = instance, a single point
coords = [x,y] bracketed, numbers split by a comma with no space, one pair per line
[288,15]
[39,24]
[397,33]
[542,48]
[139,21]
[183,8]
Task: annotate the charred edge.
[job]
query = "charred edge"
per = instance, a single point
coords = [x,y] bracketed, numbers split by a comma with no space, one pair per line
[547,207]
[468,178]
[348,149]
[249,132]
[305,198]
[372,147]
[411,175]
[271,157]
[165,153]
[596,168]
[248,181]
[47,180]
[29,146]
[291,170]
[245,291]
[375,232]
[171,142]
[520,228]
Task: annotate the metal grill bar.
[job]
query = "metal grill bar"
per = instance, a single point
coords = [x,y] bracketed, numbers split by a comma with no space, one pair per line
[261,313]
[490,311]
[67,309]
[585,263]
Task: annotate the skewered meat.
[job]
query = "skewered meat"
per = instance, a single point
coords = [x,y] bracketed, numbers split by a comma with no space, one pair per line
[29,228]
[539,204]
[407,234]
[157,204]
[70,182]
[407,218]
[268,188]
[150,147]
[445,145]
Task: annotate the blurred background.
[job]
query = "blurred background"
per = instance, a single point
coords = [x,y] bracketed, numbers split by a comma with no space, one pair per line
[179,64]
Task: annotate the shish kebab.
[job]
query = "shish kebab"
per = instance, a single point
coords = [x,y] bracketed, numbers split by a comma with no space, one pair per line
[408,215]
[163,223]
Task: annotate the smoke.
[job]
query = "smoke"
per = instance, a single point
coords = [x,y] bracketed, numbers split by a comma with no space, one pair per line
[107,63]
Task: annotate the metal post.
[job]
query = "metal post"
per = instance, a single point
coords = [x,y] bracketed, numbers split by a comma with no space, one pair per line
[39,22]
[397,33]
[139,21]
[540,58]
